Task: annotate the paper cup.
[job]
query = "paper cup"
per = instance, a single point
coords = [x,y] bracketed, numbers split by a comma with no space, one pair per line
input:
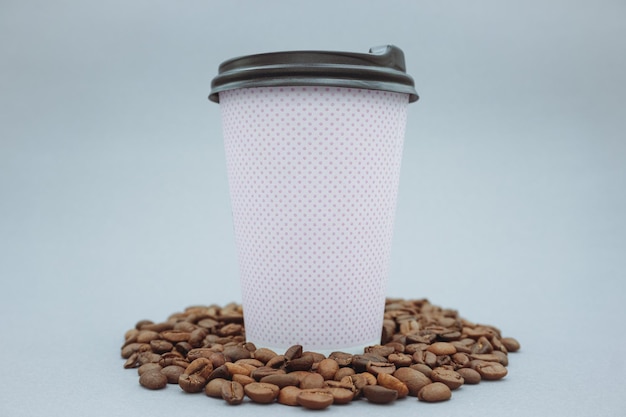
[313,175]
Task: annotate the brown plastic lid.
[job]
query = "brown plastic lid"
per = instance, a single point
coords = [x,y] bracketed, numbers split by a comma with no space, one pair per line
[383,68]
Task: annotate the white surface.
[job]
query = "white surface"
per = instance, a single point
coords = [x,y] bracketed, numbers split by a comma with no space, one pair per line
[114,206]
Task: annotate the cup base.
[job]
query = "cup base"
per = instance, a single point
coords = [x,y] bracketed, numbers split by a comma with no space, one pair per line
[353,350]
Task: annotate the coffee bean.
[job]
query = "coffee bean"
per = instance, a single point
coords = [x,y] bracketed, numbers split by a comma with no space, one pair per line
[153,379]
[161,346]
[327,368]
[511,344]
[317,357]
[191,383]
[391,382]
[289,395]
[449,377]
[423,368]
[264,371]
[294,352]
[252,362]
[175,336]
[470,376]
[243,379]
[413,379]
[379,395]
[442,348]
[376,368]
[234,368]
[172,373]
[315,399]
[232,392]
[148,367]
[342,358]
[146,336]
[341,395]
[234,353]
[214,387]
[282,380]
[312,381]
[491,371]
[264,355]
[219,372]
[434,392]
[400,359]
[303,363]
[261,392]
[343,372]
[201,367]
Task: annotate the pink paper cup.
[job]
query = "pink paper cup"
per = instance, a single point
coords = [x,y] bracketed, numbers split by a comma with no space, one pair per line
[313,172]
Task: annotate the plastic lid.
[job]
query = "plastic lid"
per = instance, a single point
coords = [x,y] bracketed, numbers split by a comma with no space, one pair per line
[382,69]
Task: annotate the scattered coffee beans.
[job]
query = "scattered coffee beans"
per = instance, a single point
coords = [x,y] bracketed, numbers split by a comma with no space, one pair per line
[426,352]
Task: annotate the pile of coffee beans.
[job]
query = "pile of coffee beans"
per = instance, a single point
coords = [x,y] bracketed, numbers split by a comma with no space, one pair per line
[426,352]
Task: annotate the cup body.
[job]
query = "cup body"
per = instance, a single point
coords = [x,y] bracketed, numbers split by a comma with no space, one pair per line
[313,176]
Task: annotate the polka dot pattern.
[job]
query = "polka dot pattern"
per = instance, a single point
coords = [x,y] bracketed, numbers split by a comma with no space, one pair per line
[313,175]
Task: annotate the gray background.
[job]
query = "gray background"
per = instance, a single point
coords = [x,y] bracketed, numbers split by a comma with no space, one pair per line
[114,202]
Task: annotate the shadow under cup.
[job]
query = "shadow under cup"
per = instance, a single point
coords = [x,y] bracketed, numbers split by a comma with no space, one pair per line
[313,174]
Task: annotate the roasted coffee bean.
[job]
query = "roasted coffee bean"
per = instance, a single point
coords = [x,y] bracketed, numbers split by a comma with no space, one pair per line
[234,353]
[341,395]
[391,382]
[442,348]
[315,399]
[234,368]
[261,392]
[146,336]
[153,379]
[413,379]
[379,395]
[201,367]
[148,367]
[294,352]
[482,346]
[303,363]
[264,371]
[327,368]
[312,381]
[196,353]
[264,355]
[232,392]
[400,359]
[511,344]
[434,392]
[172,373]
[243,379]
[161,346]
[214,387]
[277,361]
[470,376]
[191,383]
[490,371]
[175,336]
[282,380]
[342,358]
[379,350]
[343,372]
[219,372]
[289,395]
[451,378]
[231,329]
[376,368]
[317,357]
